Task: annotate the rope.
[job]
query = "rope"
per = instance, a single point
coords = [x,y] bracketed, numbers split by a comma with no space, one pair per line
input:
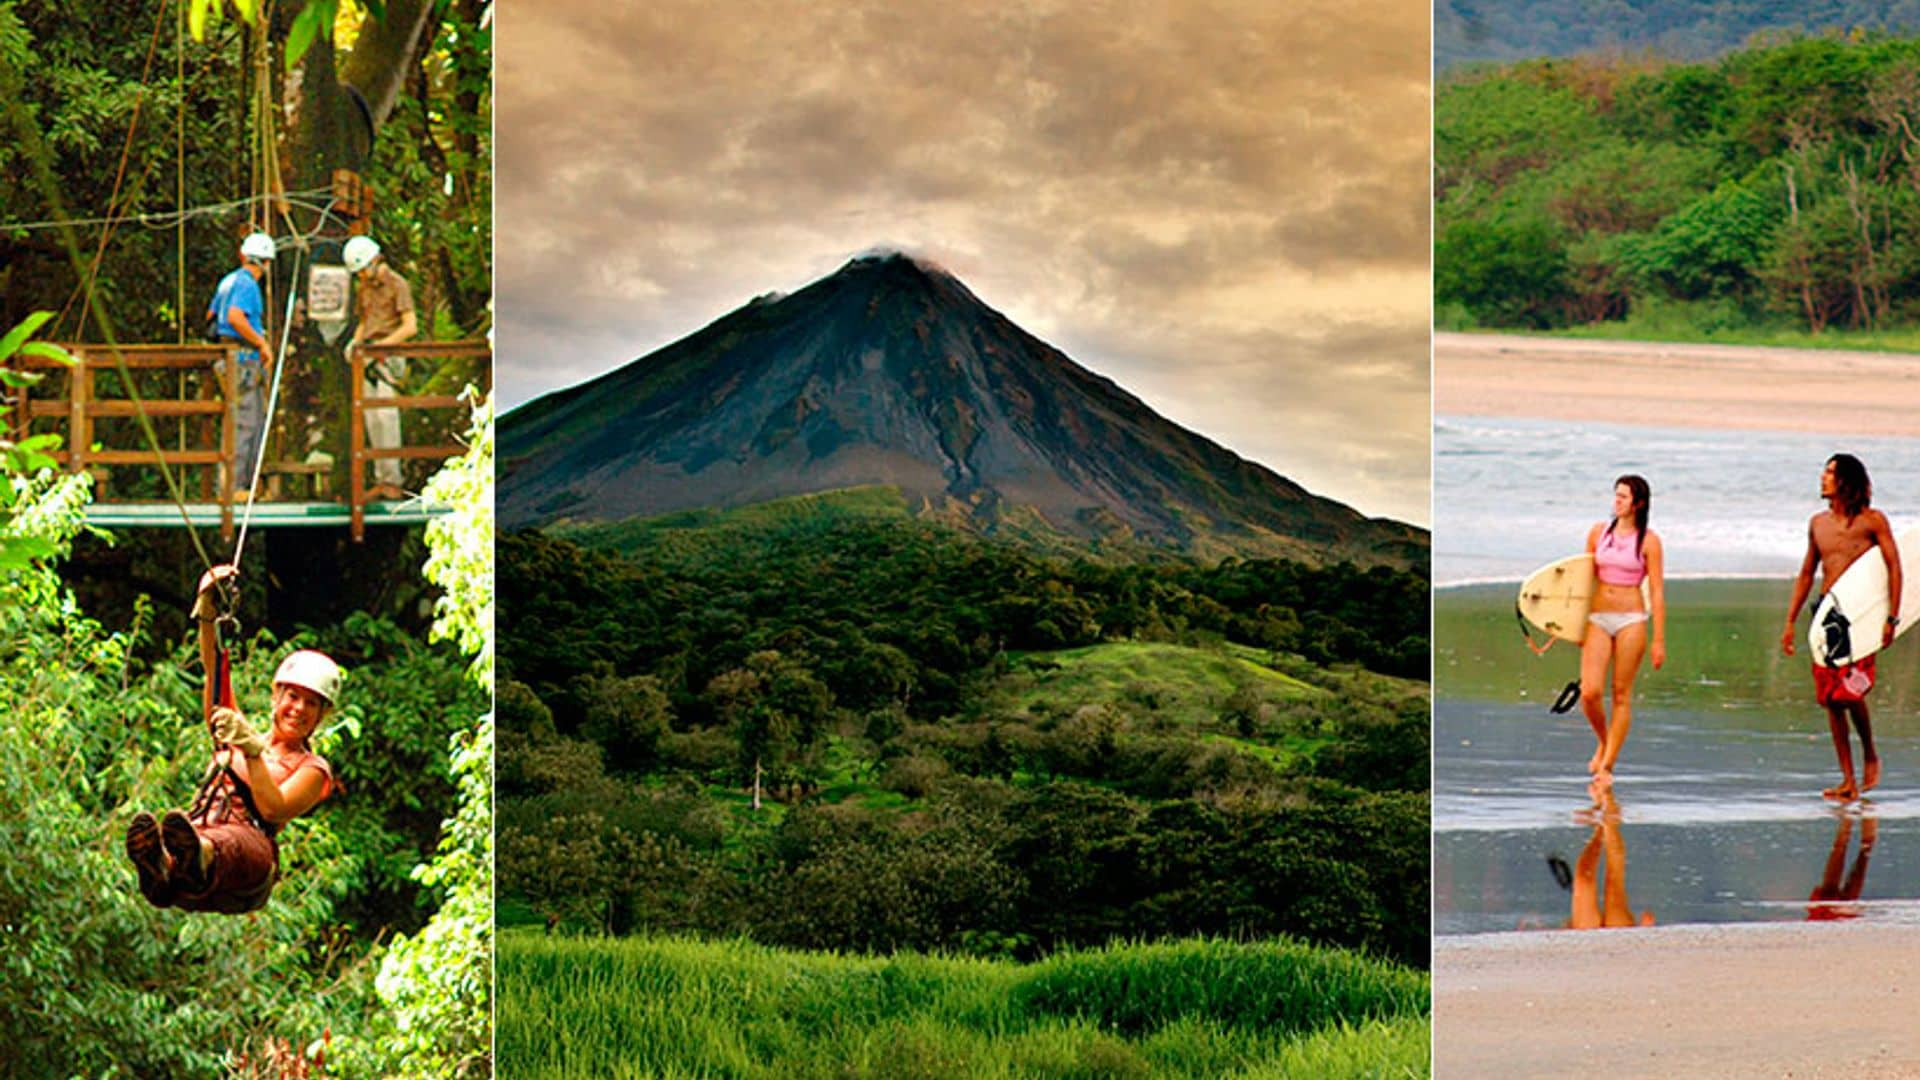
[119,175]
[158,220]
[36,155]
[180,171]
[273,396]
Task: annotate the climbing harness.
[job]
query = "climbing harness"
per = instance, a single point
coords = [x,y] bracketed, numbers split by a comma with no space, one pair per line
[209,799]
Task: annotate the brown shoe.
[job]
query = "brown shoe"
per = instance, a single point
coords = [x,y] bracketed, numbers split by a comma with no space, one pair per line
[149,859]
[182,842]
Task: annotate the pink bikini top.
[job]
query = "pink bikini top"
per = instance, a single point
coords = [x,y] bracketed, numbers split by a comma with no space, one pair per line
[1616,562]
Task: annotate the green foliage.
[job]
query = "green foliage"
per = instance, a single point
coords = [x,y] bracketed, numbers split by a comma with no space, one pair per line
[1255,986]
[1709,247]
[925,784]
[1509,272]
[436,985]
[664,1006]
[96,92]
[1773,187]
[26,488]
[98,983]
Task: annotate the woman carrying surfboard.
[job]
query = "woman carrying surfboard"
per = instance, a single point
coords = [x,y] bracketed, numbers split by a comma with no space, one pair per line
[1626,554]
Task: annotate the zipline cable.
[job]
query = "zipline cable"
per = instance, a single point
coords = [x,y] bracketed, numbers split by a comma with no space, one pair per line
[266,421]
[166,219]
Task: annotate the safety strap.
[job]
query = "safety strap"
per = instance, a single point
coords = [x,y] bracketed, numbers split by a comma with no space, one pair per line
[203,801]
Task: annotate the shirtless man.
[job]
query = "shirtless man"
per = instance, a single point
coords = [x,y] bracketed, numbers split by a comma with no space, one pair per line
[1847,529]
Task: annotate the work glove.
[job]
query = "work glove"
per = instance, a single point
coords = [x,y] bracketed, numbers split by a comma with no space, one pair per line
[231,727]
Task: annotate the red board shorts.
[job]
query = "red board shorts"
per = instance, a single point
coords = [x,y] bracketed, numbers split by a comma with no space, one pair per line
[1847,684]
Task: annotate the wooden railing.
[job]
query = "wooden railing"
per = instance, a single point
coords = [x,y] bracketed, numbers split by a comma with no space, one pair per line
[360,454]
[81,404]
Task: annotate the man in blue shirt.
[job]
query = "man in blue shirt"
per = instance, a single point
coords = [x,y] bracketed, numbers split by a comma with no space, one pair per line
[238,314]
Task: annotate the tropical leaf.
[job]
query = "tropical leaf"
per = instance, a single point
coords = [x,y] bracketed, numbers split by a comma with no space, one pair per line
[18,336]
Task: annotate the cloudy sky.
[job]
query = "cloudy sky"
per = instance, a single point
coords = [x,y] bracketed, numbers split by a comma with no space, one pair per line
[1220,206]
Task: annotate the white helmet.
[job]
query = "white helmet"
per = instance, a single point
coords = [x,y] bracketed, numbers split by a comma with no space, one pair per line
[257,246]
[360,253]
[313,671]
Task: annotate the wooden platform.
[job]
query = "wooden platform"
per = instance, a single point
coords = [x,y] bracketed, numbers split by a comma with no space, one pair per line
[265,514]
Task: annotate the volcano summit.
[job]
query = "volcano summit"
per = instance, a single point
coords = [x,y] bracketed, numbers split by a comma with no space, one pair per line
[890,372]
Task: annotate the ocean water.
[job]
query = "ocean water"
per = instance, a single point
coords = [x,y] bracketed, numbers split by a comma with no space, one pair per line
[1510,495]
[1716,816]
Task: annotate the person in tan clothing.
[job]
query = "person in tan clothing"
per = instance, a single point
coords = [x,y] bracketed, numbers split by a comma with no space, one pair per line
[383,315]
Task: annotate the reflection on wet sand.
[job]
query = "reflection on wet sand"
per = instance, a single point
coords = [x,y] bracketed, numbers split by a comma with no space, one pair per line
[1835,898]
[1599,896]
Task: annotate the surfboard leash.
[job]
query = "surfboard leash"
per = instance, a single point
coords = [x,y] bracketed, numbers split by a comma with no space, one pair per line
[1527,635]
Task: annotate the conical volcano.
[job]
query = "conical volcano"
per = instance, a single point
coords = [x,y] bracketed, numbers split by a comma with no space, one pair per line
[891,372]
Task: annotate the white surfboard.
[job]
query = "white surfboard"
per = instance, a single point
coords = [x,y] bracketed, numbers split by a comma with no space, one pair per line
[1556,597]
[1848,623]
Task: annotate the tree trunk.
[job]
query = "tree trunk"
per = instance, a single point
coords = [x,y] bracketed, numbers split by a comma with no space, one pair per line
[335,106]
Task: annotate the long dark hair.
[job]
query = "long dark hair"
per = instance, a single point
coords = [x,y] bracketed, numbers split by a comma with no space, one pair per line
[1850,484]
[1642,497]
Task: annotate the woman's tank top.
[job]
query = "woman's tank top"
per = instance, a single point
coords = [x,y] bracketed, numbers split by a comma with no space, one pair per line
[1615,560]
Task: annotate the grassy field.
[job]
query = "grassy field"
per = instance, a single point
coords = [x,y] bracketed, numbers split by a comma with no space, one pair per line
[1684,324]
[1155,687]
[666,1007]
[1178,683]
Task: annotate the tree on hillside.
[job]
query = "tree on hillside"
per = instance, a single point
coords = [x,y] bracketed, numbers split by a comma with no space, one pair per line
[627,717]
[775,708]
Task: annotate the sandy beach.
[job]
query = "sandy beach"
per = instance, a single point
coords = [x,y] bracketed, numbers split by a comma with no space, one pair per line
[1766,1000]
[1776,999]
[1719,386]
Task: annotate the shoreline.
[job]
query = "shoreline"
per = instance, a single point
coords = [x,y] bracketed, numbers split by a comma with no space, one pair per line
[1728,387]
[1806,1000]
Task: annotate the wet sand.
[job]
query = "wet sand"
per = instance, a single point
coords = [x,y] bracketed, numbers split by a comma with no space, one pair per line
[1713,386]
[1811,1001]
[1801,1000]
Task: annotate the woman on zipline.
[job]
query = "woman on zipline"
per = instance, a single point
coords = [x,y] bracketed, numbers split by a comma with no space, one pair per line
[221,855]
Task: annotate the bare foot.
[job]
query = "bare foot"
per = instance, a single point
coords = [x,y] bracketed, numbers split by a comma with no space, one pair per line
[1602,780]
[1844,792]
[1870,776]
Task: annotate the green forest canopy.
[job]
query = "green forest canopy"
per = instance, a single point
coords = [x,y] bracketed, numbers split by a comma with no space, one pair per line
[963,745]
[373,949]
[1777,186]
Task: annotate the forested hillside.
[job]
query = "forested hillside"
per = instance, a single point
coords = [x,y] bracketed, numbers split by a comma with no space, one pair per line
[1774,190]
[957,744]
[1466,31]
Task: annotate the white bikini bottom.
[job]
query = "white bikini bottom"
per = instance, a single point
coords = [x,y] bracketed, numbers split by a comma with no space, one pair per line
[1615,621]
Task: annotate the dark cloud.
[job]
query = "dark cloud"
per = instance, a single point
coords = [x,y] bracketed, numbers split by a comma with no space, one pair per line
[1220,205]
